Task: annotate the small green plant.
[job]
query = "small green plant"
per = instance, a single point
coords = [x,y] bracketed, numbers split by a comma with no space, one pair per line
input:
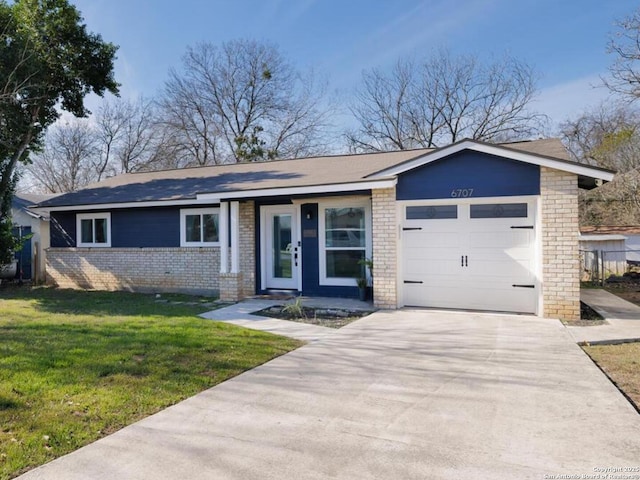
[362,282]
[295,309]
[367,263]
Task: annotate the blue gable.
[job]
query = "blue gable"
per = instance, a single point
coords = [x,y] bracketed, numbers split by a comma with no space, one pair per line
[469,174]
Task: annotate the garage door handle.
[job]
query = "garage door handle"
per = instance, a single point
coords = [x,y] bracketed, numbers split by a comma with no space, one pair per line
[524,286]
[413,281]
[464,261]
[526,227]
[411,228]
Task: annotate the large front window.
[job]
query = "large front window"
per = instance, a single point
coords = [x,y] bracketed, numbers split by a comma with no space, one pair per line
[94,229]
[199,227]
[344,243]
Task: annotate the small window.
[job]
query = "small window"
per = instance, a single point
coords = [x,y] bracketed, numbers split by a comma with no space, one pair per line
[499,210]
[433,212]
[199,227]
[94,229]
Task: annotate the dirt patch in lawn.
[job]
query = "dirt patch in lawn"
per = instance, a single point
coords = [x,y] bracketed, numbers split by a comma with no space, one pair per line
[588,317]
[626,291]
[621,363]
[325,317]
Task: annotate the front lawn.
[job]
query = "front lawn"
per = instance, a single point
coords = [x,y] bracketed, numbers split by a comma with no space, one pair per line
[622,364]
[76,366]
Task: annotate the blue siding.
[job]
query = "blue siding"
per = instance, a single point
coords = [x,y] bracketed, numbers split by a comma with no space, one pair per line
[130,228]
[145,227]
[485,175]
[63,229]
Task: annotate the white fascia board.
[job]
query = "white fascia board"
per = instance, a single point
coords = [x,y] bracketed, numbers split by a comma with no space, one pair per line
[286,191]
[114,206]
[497,151]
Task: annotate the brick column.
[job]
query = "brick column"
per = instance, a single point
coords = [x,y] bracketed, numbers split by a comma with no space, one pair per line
[385,241]
[231,287]
[560,252]
[248,247]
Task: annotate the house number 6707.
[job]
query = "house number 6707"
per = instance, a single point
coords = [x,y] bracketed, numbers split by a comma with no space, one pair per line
[461,192]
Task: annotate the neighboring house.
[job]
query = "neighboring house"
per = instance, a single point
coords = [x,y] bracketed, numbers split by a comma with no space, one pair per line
[31,259]
[468,226]
[602,254]
[630,232]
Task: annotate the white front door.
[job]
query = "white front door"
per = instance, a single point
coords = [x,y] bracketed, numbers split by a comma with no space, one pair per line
[470,255]
[280,247]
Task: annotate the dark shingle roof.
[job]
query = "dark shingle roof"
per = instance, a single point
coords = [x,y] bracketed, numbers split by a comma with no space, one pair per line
[186,184]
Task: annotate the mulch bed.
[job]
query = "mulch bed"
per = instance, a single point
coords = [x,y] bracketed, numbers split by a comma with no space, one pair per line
[588,318]
[325,317]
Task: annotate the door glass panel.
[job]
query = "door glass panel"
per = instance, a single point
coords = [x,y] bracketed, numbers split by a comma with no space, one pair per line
[433,212]
[282,247]
[499,210]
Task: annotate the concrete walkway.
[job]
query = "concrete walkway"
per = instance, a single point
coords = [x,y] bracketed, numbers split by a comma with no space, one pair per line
[623,319]
[404,394]
[241,314]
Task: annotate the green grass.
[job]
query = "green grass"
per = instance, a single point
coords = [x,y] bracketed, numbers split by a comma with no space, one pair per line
[75,366]
[622,364]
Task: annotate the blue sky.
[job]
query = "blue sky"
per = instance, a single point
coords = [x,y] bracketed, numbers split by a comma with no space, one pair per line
[565,40]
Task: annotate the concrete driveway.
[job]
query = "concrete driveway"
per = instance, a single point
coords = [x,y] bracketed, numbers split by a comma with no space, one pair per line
[397,395]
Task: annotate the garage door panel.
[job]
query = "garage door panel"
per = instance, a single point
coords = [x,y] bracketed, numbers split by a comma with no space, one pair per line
[471,263]
[499,239]
[426,240]
[438,296]
[420,270]
[512,299]
[516,270]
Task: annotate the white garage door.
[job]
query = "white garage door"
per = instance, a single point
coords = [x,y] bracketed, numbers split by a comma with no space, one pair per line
[470,255]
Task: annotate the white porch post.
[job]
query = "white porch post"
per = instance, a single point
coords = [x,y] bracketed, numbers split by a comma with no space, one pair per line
[224,236]
[235,236]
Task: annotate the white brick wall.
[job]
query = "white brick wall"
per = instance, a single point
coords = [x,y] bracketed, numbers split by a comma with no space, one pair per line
[385,247]
[137,269]
[561,264]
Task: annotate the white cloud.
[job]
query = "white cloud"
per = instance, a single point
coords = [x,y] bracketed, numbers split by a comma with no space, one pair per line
[569,99]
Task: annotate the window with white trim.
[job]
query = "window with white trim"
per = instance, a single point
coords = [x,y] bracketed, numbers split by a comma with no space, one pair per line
[93,229]
[344,243]
[199,227]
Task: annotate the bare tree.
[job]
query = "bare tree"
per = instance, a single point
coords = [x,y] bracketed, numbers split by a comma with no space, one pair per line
[129,137]
[442,100]
[189,125]
[122,137]
[625,44]
[242,101]
[609,137]
[67,160]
